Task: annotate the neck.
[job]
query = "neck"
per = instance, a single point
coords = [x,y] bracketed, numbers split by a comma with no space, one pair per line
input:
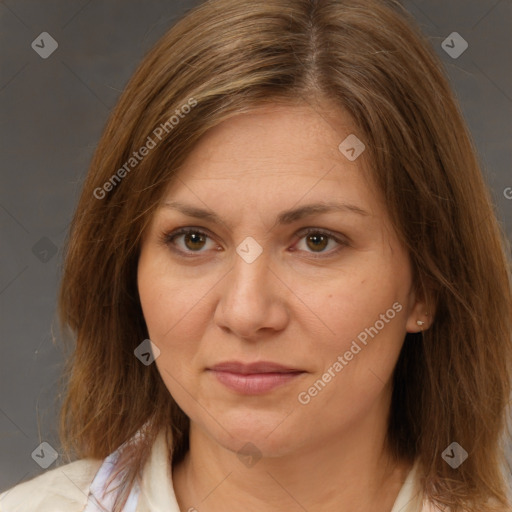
[353,471]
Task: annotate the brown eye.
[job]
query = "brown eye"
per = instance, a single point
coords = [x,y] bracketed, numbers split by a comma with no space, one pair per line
[317,242]
[187,240]
[194,240]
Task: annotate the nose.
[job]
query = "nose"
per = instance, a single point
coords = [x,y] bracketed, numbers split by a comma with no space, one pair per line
[253,299]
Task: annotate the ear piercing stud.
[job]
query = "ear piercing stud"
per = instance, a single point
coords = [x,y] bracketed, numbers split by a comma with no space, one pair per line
[421,323]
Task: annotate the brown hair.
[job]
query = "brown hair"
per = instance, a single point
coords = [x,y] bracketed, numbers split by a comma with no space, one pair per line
[367,57]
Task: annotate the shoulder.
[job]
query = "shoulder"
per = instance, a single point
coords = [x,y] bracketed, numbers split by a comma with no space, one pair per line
[62,489]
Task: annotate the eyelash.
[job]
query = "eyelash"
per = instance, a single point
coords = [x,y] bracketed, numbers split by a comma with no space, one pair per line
[168,240]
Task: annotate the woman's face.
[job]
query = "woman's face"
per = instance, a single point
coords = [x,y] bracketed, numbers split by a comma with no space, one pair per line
[264,279]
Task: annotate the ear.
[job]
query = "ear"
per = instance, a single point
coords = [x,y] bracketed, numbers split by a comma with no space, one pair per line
[420,317]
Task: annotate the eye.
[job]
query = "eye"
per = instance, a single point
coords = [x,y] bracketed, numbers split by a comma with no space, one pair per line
[317,240]
[187,241]
[192,240]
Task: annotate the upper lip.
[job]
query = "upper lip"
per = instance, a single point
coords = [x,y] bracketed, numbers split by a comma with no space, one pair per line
[251,368]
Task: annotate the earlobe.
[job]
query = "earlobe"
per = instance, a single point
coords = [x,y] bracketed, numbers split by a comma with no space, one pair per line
[418,322]
[419,318]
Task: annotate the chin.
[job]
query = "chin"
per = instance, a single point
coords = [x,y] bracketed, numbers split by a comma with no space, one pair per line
[267,432]
[258,445]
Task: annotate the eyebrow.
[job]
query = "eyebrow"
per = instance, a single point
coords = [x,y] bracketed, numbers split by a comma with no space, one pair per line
[285,217]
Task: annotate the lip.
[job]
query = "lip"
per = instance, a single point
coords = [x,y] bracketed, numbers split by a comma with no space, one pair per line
[254,378]
[252,368]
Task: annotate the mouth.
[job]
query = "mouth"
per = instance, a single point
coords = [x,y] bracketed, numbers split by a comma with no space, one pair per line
[254,378]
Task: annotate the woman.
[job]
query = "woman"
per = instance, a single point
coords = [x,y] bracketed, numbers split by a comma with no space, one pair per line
[287,283]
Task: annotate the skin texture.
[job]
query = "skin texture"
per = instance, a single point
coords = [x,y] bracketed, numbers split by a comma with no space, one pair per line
[287,307]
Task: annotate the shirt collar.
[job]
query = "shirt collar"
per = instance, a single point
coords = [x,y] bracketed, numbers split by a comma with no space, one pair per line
[410,497]
[156,489]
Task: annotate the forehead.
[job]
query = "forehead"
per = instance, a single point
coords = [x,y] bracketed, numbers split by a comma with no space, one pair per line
[295,140]
[276,150]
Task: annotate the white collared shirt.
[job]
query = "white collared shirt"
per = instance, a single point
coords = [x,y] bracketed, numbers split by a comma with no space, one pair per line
[80,485]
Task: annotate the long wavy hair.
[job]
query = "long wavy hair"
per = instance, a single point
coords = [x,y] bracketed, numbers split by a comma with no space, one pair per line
[369,58]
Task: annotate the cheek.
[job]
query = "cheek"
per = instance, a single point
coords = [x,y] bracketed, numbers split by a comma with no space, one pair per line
[356,363]
[168,300]
[165,313]
[356,304]
[175,318]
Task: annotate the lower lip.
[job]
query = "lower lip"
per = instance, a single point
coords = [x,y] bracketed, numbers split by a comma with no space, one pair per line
[256,383]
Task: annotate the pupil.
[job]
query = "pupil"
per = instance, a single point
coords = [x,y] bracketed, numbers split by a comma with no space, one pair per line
[195,239]
[318,238]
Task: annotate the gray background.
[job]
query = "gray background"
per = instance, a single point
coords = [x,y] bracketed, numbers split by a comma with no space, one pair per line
[52,115]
